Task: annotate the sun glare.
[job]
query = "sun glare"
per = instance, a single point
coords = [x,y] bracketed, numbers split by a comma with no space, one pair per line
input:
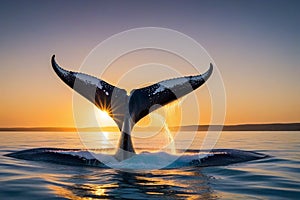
[103,118]
[103,114]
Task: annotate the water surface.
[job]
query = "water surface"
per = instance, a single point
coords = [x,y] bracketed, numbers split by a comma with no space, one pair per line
[275,177]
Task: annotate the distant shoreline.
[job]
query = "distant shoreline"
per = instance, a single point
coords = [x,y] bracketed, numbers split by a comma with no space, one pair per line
[239,127]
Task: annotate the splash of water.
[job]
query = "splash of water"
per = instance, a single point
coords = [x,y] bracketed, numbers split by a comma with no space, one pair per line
[170,109]
[171,142]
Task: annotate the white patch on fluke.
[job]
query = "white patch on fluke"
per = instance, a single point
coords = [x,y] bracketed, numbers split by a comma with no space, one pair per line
[89,80]
[170,84]
[159,89]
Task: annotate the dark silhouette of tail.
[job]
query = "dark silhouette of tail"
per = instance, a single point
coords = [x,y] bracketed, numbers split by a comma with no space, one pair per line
[126,110]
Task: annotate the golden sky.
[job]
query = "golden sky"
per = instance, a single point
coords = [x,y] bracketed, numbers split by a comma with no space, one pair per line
[258,57]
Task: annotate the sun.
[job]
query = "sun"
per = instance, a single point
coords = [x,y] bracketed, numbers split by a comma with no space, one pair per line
[103,114]
[103,118]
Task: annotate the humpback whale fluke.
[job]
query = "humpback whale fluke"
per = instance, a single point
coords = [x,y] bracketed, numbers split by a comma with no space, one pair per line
[127,110]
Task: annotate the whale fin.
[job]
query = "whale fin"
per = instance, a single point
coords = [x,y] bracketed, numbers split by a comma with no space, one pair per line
[105,96]
[142,101]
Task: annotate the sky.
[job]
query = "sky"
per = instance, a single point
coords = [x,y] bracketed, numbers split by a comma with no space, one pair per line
[255,44]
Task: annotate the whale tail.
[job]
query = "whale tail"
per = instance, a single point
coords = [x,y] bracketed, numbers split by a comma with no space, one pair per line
[127,110]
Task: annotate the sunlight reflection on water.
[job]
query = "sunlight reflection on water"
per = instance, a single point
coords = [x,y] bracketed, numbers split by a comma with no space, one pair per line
[276,177]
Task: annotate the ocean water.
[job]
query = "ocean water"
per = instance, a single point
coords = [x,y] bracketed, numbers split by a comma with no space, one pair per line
[275,176]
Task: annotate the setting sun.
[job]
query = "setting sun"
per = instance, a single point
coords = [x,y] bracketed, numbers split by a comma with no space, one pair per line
[103,118]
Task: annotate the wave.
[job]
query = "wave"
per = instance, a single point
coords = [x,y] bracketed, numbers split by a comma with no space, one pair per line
[144,160]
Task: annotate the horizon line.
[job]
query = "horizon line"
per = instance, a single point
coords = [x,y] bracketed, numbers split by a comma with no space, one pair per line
[293,126]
